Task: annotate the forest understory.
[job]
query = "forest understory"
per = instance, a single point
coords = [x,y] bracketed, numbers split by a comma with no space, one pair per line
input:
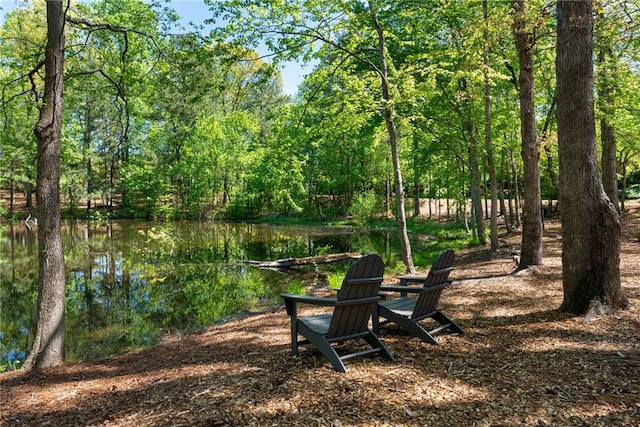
[519,362]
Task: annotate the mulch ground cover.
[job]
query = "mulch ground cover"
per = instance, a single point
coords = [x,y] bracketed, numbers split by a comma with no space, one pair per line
[520,362]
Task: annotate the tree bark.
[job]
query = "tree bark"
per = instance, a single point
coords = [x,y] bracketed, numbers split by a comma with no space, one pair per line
[531,247]
[48,345]
[590,223]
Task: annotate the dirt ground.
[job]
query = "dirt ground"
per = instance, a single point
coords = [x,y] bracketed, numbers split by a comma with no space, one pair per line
[520,362]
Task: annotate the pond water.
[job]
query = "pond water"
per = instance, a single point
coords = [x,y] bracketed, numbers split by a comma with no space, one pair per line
[130,282]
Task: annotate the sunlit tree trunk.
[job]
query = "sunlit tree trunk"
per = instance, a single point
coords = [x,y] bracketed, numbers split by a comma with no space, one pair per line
[48,345]
[393,141]
[590,223]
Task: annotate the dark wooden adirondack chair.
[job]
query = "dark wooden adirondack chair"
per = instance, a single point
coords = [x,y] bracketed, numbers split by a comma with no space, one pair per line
[352,309]
[407,311]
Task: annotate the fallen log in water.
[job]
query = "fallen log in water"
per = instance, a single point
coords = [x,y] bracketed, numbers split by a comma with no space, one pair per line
[294,262]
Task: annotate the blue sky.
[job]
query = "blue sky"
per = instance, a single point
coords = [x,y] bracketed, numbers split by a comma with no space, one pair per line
[196,11]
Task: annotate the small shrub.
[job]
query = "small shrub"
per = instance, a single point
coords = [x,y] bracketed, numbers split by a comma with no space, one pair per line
[365,206]
[632,192]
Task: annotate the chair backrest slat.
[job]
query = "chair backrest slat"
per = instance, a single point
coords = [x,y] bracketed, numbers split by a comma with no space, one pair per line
[361,282]
[427,302]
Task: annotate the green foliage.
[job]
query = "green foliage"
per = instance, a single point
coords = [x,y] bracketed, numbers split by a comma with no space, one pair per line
[397,267]
[334,279]
[633,192]
[166,126]
[366,206]
[9,365]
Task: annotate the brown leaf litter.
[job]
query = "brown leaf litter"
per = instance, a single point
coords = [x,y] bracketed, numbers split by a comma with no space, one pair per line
[520,362]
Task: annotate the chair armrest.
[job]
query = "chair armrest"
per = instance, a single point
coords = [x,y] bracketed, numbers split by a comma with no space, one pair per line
[402,289]
[413,289]
[306,299]
[358,301]
[412,279]
[291,300]
[421,279]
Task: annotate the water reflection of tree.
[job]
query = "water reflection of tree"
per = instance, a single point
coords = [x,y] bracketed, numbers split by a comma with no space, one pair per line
[130,282]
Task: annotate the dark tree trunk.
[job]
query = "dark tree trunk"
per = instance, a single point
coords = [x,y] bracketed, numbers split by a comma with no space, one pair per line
[28,189]
[590,223]
[531,250]
[48,345]
[12,190]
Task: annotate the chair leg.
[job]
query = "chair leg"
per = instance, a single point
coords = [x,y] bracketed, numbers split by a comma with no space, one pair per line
[375,320]
[418,331]
[325,347]
[441,318]
[375,342]
[409,325]
[294,336]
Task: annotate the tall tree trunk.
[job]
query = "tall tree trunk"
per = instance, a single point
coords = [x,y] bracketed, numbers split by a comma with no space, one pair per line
[12,190]
[607,132]
[475,191]
[590,223]
[625,157]
[493,221]
[28,188]
[547,151]
[516,190]
[393,141]
[416,176]
[48,345]
[531,247]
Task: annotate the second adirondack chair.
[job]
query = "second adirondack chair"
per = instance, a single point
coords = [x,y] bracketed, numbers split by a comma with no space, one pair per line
[407,311]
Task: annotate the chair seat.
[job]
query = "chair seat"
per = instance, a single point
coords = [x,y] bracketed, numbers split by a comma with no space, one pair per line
[402,306]
[318,324]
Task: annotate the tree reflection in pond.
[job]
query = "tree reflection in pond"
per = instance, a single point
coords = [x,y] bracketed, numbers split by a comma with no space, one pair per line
[129,282]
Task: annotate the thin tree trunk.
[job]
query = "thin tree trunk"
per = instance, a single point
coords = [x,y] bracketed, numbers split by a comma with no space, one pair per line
[476,199]
[493,219]
[591,225]
[393,141]
[416,177]
[48,345]
[531,247]
[28,189]
[12,190]
[607,132]
[547,150]
[516,191]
